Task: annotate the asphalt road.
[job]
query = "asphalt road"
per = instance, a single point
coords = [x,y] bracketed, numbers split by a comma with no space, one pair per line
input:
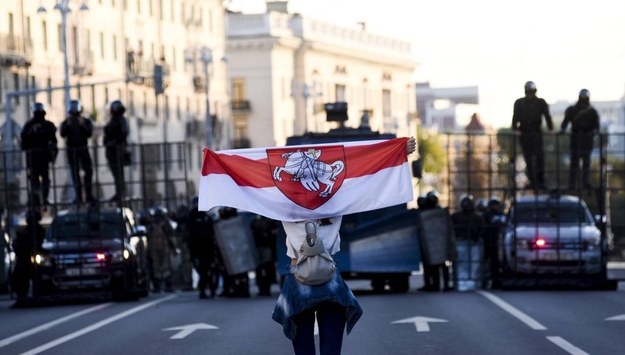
[474,322]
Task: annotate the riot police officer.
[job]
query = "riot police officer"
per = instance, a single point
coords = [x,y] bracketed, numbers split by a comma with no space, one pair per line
[115,140]
[203,250]
[26,243]
[77,130]
[584,121]
[39,142]
[161,246]
[527,119]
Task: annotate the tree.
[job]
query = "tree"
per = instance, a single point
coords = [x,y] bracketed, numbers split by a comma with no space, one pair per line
[431,151]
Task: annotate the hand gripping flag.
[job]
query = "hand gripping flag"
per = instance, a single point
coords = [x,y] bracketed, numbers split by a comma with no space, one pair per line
[302,182]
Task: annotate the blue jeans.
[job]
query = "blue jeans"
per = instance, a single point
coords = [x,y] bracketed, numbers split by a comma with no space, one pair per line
[331,318]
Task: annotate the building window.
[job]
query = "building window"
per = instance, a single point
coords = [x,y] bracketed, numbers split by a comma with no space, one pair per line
[172,11]
[44,34]
[145,105]
[131,103]
[386,103]
[115,47]
[102,45]
[139,6]
[174,61]
[125,5]
[29,34]
[238,90]
[59,31]
[178,111]
[339,93]
[16,86]
[150,8]
[160,10]
[210,21]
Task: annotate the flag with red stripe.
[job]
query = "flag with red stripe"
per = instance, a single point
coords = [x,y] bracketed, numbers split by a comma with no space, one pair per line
[301,182]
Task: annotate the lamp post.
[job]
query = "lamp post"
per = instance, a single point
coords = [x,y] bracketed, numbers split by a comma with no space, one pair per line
[206,56]
[63,7]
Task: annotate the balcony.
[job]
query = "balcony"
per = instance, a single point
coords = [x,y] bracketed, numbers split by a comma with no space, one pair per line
[15,50]
[241,106]
[141,71]
[83,64]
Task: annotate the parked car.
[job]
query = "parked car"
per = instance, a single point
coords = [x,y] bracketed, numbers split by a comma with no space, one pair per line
[551,234]
[92,251]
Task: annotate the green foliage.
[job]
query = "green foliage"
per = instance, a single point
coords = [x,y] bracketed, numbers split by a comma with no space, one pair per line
[431,151]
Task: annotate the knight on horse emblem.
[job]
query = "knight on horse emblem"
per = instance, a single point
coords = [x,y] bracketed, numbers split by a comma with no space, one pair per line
[305,167]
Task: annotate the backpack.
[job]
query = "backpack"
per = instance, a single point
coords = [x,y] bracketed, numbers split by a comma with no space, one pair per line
[314,265]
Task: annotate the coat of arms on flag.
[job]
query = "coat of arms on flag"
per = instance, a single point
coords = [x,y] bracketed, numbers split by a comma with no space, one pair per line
[308,176]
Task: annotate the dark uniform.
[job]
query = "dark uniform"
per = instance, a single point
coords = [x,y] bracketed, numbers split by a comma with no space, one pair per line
[203,249]
[495,220]
[584,121]
[432,272]
[161,247]
[265,232]
[468,224]
[77,130]
[27,242]
[527,119]
[115,141]
[39,142]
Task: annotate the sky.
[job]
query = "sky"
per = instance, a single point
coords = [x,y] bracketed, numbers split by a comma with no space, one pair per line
[497,45]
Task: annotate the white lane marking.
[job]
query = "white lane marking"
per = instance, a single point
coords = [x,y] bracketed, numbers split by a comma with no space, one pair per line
[568,347]
[529,321]
[95,326]
[17,337]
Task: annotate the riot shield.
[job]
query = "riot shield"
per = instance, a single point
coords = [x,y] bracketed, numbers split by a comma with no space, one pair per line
[236,244]
[436,238]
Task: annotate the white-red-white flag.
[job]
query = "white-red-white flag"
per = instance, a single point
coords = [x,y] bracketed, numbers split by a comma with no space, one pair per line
[295,183]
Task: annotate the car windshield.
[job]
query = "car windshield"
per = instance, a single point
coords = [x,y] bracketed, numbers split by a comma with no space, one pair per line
[73,226]
[564,214]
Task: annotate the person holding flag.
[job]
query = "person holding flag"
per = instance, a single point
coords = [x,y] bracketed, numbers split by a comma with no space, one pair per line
[319,184]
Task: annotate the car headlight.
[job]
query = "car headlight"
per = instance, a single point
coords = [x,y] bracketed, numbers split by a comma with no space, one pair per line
[41,260]
[119,256]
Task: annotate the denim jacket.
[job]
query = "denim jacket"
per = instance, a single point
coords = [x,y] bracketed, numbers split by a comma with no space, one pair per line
[297,297]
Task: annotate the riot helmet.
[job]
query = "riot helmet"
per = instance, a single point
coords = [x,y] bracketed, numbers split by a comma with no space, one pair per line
[584,94]
[421,201]
[467,204]
[530,87]
[38,109]
[75,108]
[117,108]
[431,199]
[481,205]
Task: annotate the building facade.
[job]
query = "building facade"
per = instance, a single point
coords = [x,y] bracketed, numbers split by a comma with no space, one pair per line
[284,67]
[113,50]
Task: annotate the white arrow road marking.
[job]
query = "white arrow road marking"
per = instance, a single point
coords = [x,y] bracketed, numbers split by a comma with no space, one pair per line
[185,330]
[621,317]
[421,323]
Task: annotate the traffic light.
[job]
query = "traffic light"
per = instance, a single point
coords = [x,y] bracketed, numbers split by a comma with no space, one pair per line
[158,79]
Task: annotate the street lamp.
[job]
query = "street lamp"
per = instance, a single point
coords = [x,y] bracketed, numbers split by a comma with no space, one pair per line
[206,56]
[63,7]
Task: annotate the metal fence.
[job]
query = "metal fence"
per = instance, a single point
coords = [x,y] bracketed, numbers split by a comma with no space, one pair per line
[492,165]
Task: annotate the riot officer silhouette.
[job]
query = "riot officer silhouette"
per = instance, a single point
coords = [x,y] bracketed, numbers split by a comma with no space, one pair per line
[39,143]
[584,121]
[115,135]
[77,130]
[527,119]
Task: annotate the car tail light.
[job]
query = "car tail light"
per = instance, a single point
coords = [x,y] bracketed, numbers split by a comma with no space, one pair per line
[540,242]
[101,257]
